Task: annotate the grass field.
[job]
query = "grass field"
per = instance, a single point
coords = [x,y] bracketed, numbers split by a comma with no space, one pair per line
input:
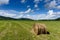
[20,30]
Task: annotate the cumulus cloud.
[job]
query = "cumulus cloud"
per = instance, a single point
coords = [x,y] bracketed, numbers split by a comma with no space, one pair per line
[27,11]
[54,4]
[14,14]
[58,7]
[47,0]
[35,17]
[36,5]
[28,6]
[4,2]
[22,14]
[50,12]
[7,13]
[37,1]
[11,13]
[51,4]
[23,1]
[19,16]
[50,15]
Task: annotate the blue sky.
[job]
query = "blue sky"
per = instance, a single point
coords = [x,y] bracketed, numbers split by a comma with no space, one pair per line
[33,9]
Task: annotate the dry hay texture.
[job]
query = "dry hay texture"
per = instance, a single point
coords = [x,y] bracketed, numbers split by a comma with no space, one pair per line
[39,28]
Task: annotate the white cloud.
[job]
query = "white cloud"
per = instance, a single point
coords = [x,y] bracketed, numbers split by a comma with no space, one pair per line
[19,16]
[27,16]
[7,13]
[22,14]
[32,10]
[36,5]
[27,11]
[50,12]
[37,1]
[58,13]
[58,7]
[54,4]
[23,1]
[14,14]
[28,6]
[50,15]
[4,2]
[47,0]
[35,17]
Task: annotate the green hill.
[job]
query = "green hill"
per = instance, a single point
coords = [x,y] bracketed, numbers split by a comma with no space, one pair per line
[6,18]
[58,19]
[9,18]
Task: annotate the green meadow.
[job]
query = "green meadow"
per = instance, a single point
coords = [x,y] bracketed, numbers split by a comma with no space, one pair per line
[21,30]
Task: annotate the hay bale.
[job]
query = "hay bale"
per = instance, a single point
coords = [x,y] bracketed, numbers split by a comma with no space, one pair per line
[39,28]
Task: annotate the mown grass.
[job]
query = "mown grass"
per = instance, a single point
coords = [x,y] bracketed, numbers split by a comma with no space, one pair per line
[21,30]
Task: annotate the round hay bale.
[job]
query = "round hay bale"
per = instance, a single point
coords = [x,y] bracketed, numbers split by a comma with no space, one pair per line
[39,28]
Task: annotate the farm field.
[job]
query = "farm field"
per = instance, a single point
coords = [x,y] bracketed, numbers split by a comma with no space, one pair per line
[21,30]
